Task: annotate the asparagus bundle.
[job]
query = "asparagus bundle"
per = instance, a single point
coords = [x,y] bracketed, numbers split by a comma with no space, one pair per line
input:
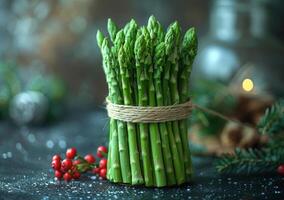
[145,66]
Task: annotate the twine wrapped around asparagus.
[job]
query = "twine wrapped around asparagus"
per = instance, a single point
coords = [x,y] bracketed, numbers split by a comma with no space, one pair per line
[148,68]
[146,114]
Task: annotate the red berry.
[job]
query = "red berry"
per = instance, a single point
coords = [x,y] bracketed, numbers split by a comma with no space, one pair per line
[56,157]
[66,164]
[96,170]
[103,163]
[67,176]
[62,169]
[280,169]
[103,173]
[76,175]
[76,162]
[90,158]
[101,151]
[56,164]
[73,168]
[71,153]
[58,174]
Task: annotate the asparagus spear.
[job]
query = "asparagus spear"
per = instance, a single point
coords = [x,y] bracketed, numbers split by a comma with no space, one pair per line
[123,60]
[100,39]
[188,53]
[175,141]
[173,84]
[122,127]
[115,97]
[126,27]
[159,61]
[156,35]
[130,37]
[140,46]
[155,31]
[118,43]
[118,40]
[155,137]
[112,29]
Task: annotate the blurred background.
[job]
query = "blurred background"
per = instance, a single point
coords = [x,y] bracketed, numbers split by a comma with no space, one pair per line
[49,59]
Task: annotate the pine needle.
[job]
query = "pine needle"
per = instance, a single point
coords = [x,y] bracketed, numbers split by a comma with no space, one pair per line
[251,161]
[272,122]
[266,159]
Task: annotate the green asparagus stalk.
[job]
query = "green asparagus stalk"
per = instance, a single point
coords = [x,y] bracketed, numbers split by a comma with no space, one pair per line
[140,46]
[156,35]
[112,29]
[123,60]
[118,43]
[122,127]
[115,97]
[159,61]
[188,53]
[155,31]
[155,137]
[118,40]
[173,59]
[100,39]
[171,56]
[126,27]
[130,38]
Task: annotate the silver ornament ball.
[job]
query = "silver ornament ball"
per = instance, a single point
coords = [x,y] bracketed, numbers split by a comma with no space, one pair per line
[29,108]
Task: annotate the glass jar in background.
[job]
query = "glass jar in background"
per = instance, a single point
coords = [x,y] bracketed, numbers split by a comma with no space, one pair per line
[239,49]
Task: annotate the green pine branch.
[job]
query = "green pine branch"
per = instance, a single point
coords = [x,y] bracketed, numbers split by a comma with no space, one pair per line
[251,161]
[272,122]
[266,159]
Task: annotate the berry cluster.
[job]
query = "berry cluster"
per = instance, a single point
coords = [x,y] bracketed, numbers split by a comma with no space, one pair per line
[74,165]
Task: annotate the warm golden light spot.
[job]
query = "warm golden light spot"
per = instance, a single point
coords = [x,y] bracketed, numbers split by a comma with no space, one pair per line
[247,85]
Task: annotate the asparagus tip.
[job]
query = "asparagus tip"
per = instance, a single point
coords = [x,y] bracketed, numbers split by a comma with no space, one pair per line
[100,38]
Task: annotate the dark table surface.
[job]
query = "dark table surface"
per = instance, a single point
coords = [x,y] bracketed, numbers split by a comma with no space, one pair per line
[25,172]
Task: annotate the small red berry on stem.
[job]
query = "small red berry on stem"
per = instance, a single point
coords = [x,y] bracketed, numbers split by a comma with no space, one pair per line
[73,168]
[280,169]
[103,173]
[76,175]
[56,164]
[90,158]
[62,169]
[58,174]
[76,162]
[56,157]
[71,153]
[67,176]
[66,164]
[103,163]
[96,170]
[102,151]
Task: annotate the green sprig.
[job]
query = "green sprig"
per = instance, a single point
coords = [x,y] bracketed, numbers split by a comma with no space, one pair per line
[265,159]
[272,122]
[250,161]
